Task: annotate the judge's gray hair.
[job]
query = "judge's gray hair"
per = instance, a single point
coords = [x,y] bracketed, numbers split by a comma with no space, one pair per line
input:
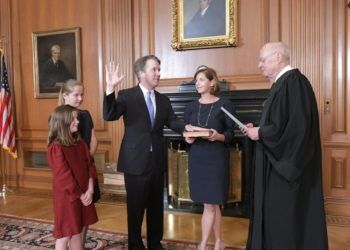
[281,48]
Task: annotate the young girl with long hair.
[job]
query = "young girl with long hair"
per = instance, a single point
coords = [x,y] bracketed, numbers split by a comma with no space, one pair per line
[72,93]
[73,178]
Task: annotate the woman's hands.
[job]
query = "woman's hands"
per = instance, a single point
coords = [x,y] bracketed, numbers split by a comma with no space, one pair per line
[190,140]
[215,136]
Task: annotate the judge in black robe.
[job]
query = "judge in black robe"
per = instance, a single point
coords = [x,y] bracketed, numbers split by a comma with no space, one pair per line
[287,203]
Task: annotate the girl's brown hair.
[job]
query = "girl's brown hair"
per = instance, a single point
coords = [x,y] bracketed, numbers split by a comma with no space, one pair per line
[67,88]
[211,75]
[59,126]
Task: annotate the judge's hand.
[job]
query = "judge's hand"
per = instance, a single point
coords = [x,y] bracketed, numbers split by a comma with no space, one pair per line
[190,140]
[113,78]
[249,125]
[243,129]
[251,131]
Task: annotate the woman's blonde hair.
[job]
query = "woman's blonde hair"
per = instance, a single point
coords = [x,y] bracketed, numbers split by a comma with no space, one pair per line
[59,126]
[211,75]
[67,88]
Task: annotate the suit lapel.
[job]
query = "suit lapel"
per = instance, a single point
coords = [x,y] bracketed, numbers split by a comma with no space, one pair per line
[158,105]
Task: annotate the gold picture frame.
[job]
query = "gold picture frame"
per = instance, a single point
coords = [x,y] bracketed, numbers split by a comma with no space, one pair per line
[56,58]
[190,33]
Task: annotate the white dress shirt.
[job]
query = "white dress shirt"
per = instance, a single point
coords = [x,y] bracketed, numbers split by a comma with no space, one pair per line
[284,70]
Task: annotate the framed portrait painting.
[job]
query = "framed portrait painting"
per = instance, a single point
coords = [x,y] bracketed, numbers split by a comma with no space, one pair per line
[204,24]
[56,59]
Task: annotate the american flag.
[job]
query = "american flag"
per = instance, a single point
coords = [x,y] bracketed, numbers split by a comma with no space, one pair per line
[7,130]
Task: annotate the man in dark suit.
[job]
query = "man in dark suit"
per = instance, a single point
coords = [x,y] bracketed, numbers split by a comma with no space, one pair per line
[142,153]
[53,71]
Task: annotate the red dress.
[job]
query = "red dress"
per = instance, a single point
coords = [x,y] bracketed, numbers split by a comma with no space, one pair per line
[72,166]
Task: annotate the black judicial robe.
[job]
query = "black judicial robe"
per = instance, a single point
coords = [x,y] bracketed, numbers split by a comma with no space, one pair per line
[287,203]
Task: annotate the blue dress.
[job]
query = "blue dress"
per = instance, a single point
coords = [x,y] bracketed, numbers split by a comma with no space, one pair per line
[85,126]
[209,169]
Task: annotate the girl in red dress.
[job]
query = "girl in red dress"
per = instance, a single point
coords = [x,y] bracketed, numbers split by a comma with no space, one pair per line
[73,174]
[72,93]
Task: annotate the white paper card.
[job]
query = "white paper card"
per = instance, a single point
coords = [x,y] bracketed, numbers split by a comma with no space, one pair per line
[238,122]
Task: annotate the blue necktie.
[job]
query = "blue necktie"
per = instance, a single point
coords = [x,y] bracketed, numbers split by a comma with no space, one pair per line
[150,107]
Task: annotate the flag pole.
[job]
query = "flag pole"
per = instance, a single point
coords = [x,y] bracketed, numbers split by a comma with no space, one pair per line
[3,177]
[3,169]
[1,55]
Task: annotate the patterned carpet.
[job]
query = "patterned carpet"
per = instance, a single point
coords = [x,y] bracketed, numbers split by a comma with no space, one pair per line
[18,233]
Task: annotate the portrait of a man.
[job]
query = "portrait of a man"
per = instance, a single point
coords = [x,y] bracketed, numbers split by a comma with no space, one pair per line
[53,71]
[56,59]
[208,19]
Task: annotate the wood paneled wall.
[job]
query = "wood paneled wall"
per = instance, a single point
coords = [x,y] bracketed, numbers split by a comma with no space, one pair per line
[25,17]
[336,112]
[123,30]
[237,65]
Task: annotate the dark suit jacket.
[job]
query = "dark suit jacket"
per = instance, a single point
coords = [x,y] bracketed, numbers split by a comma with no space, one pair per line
[139,135]
[212,23]
[51,74]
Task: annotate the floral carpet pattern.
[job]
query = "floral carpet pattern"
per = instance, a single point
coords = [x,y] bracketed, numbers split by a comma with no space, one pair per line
[18,233]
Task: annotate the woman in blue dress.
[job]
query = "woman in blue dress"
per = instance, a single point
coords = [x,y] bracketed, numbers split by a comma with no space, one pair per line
[209,160]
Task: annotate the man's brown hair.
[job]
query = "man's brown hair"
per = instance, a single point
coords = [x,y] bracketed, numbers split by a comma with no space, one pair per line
[141,63]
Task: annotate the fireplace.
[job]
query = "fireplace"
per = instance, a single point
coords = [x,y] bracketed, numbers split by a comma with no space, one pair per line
[248,105]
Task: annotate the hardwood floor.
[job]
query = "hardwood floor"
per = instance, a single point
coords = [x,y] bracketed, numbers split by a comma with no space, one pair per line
[36,204]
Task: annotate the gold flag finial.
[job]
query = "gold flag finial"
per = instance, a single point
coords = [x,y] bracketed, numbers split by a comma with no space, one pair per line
[1,46]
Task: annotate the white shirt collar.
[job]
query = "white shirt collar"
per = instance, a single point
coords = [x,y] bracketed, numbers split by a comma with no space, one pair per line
[205,10]
[284,70]
[145,91]
[153,96]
